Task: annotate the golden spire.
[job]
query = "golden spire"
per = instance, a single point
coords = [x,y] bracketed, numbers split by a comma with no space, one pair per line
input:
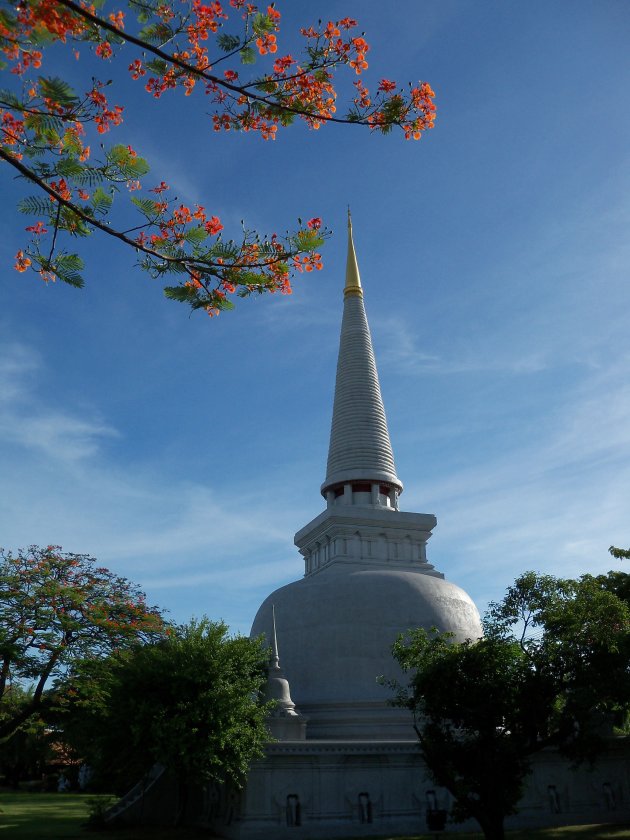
[353,280]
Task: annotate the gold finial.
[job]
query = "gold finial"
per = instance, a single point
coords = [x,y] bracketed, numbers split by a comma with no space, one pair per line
[353,280]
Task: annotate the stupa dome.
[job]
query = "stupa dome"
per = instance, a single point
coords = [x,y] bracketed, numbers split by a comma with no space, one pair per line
[336,628]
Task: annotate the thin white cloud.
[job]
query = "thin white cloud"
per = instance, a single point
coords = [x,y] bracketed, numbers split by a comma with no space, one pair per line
[35,426]
[241,577]
[57,435]
[554,505]
[59,486]
[16,363]
[401,349]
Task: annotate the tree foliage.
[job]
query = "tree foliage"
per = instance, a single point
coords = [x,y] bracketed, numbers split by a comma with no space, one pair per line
[27,753]
[49,129]
[552,668]
[57,609]
[191,701]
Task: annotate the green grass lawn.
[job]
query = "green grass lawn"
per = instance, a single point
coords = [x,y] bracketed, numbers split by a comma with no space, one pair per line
[41,815]
[62,816]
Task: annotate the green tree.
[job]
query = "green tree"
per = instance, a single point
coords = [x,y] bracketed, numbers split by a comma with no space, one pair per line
[57,609]
[26,753]
[550,670]
[192,701]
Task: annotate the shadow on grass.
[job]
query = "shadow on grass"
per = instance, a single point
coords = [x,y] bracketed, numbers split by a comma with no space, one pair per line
[63,816]
[574,832]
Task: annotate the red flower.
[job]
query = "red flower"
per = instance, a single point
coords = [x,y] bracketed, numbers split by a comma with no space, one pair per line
[213,226]
[386,86]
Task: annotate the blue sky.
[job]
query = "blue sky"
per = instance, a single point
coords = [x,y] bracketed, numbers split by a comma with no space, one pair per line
[185,452]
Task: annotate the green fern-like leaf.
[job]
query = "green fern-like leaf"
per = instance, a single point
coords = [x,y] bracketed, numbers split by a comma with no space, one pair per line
[262,23]
[8,19]
[184,294]
[73,223]
[69,167]
[9,99]
[34,151]
[89,176]
[248,56]
[157,66]
[126,166]
[226,250]
[227,43]
[196,235]
[156,33]
[67,268]
[58,90]
[146,206]
[34,205]
[41,37]
[308,240]
[101,201]
[136,168]
[252,278]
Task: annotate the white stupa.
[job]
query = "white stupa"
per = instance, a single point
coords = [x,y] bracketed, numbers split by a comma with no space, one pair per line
[366,578]
[341,762]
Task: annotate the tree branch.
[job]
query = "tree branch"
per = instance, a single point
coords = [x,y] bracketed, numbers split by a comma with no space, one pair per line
[189,262]
[203,74]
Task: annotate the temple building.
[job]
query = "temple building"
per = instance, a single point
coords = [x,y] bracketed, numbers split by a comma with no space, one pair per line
[343,761]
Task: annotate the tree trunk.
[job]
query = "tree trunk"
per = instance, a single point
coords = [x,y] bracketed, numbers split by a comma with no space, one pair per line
[492,826]
[182,802]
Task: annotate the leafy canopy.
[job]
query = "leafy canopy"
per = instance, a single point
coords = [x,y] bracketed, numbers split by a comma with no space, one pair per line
[192,701]
[49,129]
[57,609]
[551,670]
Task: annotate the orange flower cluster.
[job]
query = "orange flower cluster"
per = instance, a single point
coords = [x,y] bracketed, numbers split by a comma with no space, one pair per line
[47,15]
[104,50]
[37,229]
[386,86]
[105,116]
[308,90]
[11,131]
[162,187]
[289,86]
[205,19]
[136,69]
[61,188]
[118,19]
[358,62]
[267,44]
[22,262]
[308,262]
